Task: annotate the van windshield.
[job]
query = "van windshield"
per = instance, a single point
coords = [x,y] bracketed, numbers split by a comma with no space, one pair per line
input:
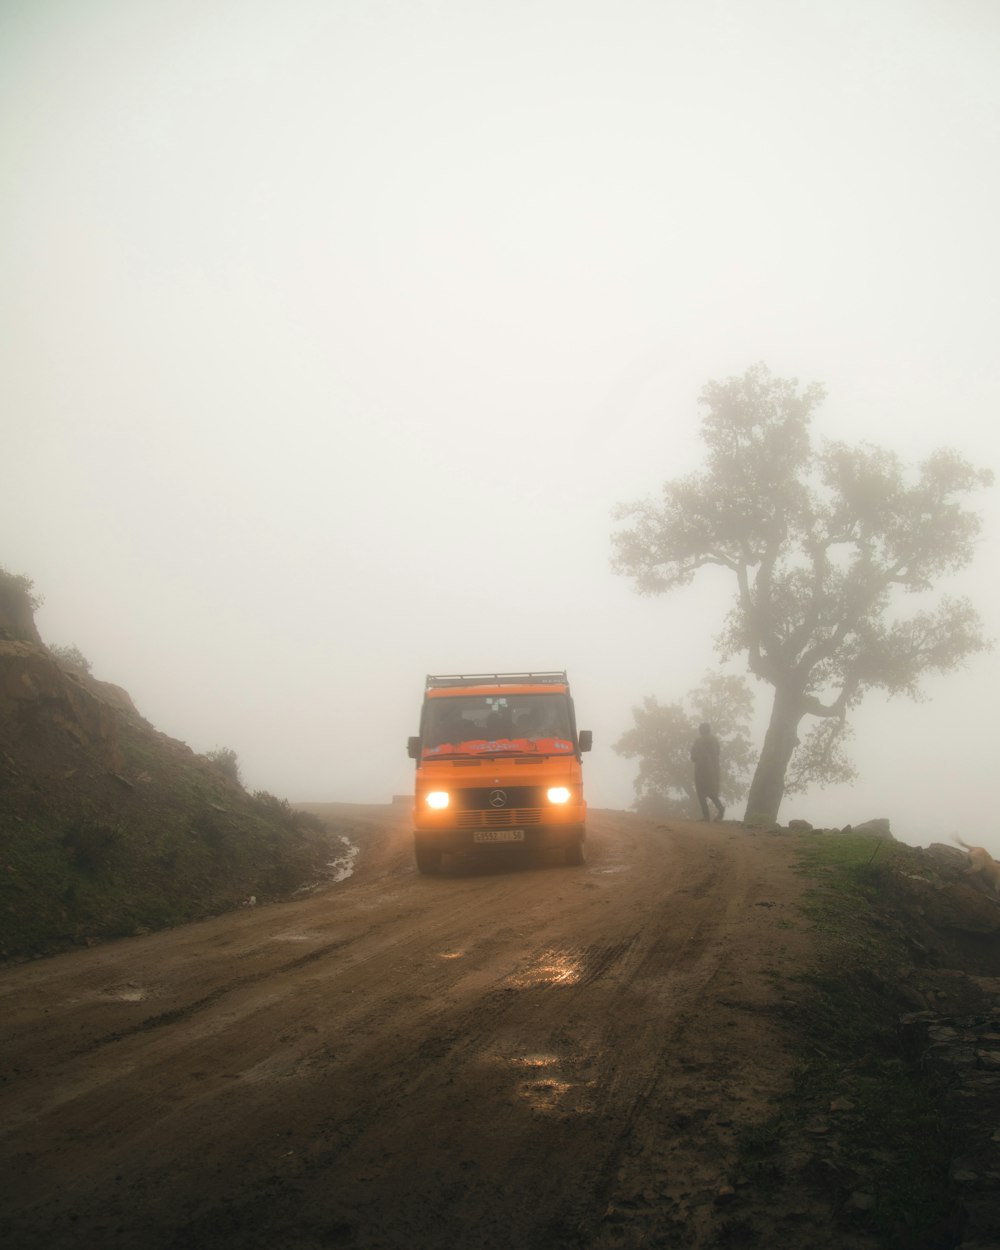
[497,723]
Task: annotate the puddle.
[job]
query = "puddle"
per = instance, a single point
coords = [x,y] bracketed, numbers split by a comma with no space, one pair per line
[541,1082]
[340,869]
[535,1061]
[127,992]
[343,866]
[553,968]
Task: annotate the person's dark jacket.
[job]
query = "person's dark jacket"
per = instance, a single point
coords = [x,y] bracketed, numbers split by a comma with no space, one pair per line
[705,754]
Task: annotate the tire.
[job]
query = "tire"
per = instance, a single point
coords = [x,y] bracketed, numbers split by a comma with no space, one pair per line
[427,861]
[576,854]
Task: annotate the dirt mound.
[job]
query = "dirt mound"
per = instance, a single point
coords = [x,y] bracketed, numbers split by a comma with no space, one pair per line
[108,827]
[901,1018]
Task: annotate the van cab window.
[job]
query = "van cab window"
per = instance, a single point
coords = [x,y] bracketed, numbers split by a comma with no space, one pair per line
[466,724]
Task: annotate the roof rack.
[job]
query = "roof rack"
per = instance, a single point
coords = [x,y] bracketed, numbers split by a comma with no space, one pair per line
[497,679]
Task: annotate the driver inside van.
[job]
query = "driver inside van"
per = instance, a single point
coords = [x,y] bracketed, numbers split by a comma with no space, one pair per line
[499,724]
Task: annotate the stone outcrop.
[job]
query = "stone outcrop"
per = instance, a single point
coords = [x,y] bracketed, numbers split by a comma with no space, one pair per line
[878,828]
[41,705]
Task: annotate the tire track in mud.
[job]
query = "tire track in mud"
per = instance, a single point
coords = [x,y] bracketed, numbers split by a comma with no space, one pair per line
[487,1031]
[465,1061]
[367,1016]
[567,1048]
[664,980]
[180,1014]
[534,1078]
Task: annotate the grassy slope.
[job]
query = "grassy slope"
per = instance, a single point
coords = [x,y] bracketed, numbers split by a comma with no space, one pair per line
[865,1124]
[101,838]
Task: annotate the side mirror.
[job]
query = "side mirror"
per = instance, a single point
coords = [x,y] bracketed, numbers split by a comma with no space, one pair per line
[413,748]
[585,739]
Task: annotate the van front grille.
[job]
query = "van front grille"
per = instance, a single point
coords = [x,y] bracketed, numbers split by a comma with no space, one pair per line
[502,818]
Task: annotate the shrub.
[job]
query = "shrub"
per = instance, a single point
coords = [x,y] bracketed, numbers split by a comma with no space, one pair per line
[17,607]
[72,658]
[287,817]
[92,843]
[227,762]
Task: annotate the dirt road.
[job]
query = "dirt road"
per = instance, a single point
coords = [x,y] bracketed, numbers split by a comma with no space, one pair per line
[507,1055]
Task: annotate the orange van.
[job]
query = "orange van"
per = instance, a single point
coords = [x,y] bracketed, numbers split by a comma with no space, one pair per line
[498,766]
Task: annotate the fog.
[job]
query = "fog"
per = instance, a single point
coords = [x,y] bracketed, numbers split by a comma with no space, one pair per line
[334,331]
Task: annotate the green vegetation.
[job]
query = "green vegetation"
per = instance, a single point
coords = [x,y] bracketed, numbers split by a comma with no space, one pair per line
[227,762]
[18,587]
[68,878]
[89,852]
[70,657]
[109,828]
[18,602]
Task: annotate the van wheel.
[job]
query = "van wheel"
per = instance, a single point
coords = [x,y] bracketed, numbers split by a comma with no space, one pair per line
[575,854]
[427,861]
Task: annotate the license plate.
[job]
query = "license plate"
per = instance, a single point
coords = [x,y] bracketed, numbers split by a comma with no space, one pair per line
[498,835]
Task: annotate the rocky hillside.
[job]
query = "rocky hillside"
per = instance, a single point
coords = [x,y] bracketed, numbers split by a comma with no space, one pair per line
[108,827]
[896,1101]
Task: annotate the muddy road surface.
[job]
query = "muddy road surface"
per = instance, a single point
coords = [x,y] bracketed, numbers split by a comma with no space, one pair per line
[510,1054]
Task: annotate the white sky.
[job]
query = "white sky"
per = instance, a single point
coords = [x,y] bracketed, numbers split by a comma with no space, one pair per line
[333,332]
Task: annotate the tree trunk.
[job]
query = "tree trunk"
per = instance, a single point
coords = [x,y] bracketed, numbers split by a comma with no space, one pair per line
[768,786]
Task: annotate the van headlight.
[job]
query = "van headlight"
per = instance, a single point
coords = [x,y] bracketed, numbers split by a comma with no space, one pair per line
[438,799]
[558,794]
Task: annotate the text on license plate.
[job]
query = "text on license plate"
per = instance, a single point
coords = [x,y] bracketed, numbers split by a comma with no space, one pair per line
[498,835]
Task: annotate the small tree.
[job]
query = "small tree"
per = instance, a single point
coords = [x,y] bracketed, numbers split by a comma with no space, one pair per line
[227,762]
[70,657]
[18,604]
[821,545]
[661,740]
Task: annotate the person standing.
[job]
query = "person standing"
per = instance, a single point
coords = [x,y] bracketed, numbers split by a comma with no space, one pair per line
[705,755]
